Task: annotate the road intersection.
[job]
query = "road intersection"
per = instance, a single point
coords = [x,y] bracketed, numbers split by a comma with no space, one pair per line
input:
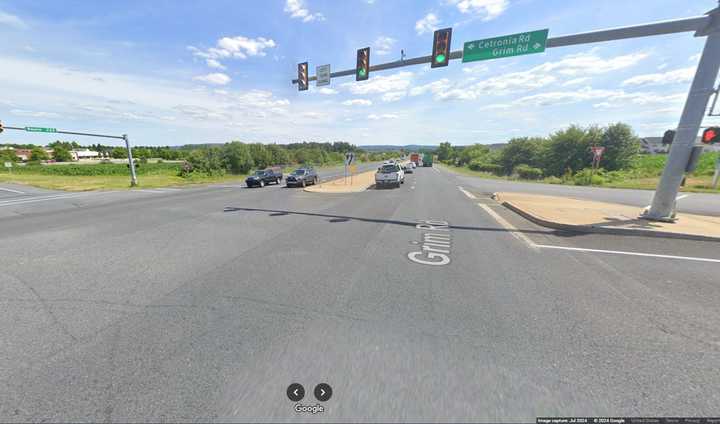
[205,304]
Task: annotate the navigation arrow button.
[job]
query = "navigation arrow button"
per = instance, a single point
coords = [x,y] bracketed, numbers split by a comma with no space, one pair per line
[295,392]
[323,392]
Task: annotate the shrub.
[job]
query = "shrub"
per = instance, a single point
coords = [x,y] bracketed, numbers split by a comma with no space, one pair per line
[478,165]
[527,172]
[553,180]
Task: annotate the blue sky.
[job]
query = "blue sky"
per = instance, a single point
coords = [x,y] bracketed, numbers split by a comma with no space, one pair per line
[173,72]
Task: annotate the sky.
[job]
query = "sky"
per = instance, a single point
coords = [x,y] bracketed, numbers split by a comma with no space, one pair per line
[171,72]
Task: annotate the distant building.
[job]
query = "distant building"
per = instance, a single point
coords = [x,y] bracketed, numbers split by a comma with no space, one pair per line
[78,154]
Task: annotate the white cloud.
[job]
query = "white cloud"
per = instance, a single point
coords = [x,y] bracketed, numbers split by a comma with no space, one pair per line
[590,64]
[380,84]
[671,77]
[383,45]
[327,91]
[11,21]
[434,87]
[486,9]
[298,10]
[375,117]
[34,114]
[238,47]
[357,102]
[576,81]
[215,64]
[541,76]
[393,96]
[566,97]
[429,23]
[215,78]
[694,58]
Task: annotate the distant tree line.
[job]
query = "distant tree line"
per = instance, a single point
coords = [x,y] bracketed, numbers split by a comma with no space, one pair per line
[562,153]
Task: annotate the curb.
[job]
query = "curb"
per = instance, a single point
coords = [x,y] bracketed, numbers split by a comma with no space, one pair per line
[600,229]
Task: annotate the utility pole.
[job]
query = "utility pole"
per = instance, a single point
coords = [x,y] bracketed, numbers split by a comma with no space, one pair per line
[703,85]
[131,163]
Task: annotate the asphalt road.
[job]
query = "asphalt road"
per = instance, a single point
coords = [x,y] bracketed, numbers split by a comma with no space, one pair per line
[697,203]
[204,304]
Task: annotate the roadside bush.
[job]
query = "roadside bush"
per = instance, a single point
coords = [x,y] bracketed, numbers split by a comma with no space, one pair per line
[582,177]
[527,172]
[553,180]
[481,166]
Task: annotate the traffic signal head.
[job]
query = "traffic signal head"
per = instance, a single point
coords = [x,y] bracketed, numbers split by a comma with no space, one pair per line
[711,135]
[1,127]
[668,137]
[441,48]
[362,70]
[302,76]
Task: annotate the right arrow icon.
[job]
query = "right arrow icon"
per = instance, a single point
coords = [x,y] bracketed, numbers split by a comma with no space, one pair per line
[323,392]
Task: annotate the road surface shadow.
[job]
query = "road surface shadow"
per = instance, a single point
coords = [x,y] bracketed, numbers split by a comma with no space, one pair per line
[342,218]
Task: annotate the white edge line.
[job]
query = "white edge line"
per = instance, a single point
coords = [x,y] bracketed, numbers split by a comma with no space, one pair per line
[11,190]
[520,236]
[621,252]
[508,226]
[467,193]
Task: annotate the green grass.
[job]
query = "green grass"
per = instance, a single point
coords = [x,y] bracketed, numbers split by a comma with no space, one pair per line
[644,174]
[105,176]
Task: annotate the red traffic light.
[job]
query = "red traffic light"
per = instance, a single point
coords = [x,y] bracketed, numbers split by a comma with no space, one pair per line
[711,135]
[362,69]
[302,76]
[441,48]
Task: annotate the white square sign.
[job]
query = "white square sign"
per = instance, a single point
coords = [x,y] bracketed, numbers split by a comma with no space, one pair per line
[322,73]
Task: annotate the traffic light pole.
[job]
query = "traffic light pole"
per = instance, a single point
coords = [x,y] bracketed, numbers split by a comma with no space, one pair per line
[124,137]
[703,85]
[663,204]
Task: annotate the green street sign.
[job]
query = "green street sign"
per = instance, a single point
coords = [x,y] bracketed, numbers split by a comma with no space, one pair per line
[505,46]
[40,129]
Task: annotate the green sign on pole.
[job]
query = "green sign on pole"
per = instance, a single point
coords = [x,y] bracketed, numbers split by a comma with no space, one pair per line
[505,46]
[40,129]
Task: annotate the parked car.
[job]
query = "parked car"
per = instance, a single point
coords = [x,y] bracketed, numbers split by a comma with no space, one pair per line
[301,177]
[408,169]
[390,174]
[263,177]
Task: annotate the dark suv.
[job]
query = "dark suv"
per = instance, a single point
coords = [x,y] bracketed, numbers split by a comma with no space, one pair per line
[261,178]
[301,177]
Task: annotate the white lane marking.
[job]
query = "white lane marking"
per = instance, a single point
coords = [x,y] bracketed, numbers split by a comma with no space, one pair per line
[467,193]
[42,199]
[508,226]
[682,196]
[435,169]
[11,190]
[514,232]
[621,252]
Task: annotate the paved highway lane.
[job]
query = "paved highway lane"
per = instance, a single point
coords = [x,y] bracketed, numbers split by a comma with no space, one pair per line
[206,304]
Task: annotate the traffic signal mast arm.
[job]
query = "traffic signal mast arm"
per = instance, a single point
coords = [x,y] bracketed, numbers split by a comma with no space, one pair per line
[697,24]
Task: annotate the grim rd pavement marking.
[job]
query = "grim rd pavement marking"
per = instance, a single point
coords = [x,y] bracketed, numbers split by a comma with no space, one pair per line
[435,244]
[515,232]
[11,190]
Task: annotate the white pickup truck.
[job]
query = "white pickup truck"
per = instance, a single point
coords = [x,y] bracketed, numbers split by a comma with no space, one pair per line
[390,174]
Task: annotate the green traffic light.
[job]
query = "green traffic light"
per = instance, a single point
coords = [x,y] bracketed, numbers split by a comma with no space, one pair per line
[362,72]
[440,58]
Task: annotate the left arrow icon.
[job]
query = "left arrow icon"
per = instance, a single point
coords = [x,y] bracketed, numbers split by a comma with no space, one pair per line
[295,392]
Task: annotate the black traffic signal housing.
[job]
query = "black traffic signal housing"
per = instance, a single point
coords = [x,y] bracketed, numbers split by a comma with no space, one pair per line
[362,69]
[302,76]
[1,127]
[668,137]
[441,48]
[711,135]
